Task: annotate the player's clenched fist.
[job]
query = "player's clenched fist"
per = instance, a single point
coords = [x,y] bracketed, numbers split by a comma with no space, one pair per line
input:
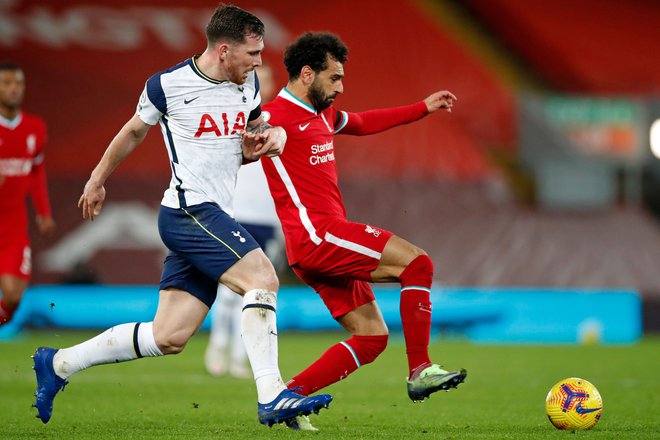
[276,139]
[443,99]
[270,142]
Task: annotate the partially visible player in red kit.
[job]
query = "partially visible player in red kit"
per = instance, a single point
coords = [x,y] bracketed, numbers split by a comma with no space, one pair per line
[22,174]
[334,256]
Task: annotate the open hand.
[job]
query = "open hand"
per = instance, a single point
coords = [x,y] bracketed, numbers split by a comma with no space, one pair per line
[92,200]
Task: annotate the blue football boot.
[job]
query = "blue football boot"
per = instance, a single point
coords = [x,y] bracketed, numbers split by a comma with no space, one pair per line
[289,405]
[48,383]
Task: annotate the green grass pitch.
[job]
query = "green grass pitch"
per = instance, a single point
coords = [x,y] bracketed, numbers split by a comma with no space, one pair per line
[173,397]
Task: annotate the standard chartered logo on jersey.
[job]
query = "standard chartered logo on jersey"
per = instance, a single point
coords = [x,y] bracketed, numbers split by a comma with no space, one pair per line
[322,153]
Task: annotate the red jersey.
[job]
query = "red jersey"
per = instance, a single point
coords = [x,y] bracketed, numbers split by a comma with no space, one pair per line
[303,179]
[22,141]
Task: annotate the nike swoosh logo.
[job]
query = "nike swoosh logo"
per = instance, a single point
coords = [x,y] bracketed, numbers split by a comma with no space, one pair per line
[303,127]
[580,410]
[188,101]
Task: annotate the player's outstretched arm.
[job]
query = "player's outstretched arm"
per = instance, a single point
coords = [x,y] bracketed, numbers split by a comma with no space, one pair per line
[128,138]
[375,121]
[440,100]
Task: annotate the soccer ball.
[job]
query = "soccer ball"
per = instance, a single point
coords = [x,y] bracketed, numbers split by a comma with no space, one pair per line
[573,404]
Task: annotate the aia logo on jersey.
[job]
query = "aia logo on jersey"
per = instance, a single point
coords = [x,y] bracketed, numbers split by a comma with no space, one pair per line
[221,126]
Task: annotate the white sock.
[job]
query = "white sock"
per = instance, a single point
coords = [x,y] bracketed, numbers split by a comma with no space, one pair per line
[238,355]
[259,331]
[222,315]
[120,343]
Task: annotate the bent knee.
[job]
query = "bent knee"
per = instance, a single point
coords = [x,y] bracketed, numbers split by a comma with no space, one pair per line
[368,348]
[418,271]
[417,251]
[269,281]
[12,289]
[172,343]
[260,273]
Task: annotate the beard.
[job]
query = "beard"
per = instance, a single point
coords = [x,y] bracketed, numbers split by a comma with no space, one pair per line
[13,103]
[237,77]
[235,73]
[320,101]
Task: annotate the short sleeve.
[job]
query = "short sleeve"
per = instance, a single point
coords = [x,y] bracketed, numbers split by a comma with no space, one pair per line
[256,102]
[152,104]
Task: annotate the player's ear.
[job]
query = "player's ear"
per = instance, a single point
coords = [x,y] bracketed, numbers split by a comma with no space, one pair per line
[307,75]
[222,49]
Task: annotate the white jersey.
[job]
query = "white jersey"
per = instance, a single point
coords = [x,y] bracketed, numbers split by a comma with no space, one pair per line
[253,203]
[201,120]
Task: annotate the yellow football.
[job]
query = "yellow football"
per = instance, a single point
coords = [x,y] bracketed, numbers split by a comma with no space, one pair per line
[574,404]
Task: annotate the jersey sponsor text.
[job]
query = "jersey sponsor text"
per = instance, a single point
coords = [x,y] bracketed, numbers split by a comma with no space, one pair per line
[208,125]
[317,158]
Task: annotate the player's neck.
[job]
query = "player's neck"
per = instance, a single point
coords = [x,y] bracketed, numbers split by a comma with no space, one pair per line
[8,112]
[211,66]
[299,91]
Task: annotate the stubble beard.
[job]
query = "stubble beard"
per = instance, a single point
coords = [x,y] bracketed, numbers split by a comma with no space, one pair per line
[320,101]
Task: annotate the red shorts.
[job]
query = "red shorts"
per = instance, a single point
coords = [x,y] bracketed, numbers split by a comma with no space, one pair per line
[16,258]
[339,269]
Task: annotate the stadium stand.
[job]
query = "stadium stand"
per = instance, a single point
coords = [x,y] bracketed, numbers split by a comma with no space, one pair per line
[477,238]
[587,46]
[432,182]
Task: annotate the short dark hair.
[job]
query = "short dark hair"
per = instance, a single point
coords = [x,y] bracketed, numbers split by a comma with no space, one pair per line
[230,22]
[312,49]
[8,65]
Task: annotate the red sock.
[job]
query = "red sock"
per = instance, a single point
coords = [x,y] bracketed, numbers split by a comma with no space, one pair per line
[415,308]
[338,362]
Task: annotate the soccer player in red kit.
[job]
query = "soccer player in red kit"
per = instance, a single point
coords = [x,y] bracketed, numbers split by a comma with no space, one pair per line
[22,139]
[334,256]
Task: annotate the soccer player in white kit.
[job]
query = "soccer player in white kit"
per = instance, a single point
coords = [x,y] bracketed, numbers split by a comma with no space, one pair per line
[208,108]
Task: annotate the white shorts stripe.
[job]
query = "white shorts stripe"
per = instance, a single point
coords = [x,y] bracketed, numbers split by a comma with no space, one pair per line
[350,349]
[302,211]
[425,289]
[352,246]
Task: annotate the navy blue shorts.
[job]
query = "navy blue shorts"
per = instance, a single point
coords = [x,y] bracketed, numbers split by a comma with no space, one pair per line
[262,233]
[203,242]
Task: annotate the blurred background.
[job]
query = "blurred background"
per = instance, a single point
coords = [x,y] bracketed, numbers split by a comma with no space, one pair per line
[542,178]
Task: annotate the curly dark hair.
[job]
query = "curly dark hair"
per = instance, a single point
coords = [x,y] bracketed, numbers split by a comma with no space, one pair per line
[9,65]
[230,22]
[312,49]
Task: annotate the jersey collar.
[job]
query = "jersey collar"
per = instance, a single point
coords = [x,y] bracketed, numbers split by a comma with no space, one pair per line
[285,94]
[193,65]
[11,123]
